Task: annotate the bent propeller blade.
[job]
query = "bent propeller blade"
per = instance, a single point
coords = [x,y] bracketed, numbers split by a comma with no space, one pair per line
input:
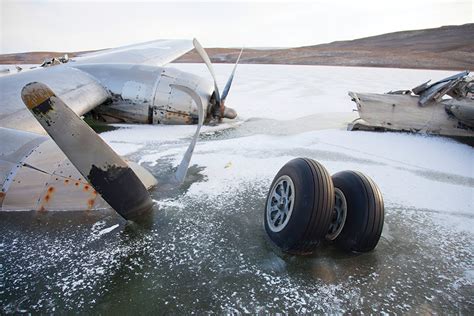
[183,166]
[110,176]
[231,77]
[200,50]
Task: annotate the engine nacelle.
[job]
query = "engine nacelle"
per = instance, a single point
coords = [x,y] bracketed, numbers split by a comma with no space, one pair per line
[143,94]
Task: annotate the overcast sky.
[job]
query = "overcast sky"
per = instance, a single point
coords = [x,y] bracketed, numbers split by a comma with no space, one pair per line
[44,25]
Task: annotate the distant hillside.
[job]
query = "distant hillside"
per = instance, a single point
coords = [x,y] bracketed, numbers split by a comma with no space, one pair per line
[447,47]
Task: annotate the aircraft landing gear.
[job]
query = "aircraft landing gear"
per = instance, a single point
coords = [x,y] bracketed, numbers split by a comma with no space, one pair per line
[298,206]
[305,205]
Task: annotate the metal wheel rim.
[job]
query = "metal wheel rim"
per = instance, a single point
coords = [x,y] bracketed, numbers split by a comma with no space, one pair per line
[339,215]
[280,204]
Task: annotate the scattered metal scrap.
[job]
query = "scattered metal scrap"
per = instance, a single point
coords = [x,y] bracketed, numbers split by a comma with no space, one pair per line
[55,61]
[445,107]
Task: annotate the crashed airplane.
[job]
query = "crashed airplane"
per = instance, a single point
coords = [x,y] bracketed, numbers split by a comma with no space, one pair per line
[74,169]
[127,84]
[443,108]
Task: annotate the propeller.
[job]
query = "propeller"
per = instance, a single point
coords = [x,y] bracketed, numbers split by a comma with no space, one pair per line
[220,109]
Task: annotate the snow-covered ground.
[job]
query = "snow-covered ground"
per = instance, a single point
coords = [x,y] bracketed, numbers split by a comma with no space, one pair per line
[205,249]
[281,110]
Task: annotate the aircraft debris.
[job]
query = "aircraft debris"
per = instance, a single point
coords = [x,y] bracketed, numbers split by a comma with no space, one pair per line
[55,61]
[445,107]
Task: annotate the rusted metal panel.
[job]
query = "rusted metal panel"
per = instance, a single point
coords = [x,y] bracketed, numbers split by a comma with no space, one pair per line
[31,164]
[48,181]
[69,194]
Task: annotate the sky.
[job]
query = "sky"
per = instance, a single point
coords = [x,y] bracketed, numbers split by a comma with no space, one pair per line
[46,25]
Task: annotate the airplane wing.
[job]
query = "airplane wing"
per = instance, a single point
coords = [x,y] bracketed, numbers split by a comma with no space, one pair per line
[156,53]
[80,90]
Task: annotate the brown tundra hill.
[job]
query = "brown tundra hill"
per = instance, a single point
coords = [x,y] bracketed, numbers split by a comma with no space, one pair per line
[447,47]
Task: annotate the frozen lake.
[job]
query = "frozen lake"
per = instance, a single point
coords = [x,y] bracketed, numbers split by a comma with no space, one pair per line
[204,247]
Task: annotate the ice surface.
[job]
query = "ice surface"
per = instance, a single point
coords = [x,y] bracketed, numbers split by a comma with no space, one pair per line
[204,249]
[432,173]
[287,91]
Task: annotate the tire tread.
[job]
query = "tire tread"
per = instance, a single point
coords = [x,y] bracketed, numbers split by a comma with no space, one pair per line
[365,237]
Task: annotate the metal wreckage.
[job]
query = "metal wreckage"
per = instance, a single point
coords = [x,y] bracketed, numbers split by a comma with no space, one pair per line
[51,160]
[445,108]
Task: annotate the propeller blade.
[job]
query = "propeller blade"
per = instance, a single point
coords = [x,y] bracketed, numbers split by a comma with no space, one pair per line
[229,81]
[183,166]
[106,171]
[200,50]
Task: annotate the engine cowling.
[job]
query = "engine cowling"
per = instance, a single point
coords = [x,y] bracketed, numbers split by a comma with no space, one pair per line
[143,94]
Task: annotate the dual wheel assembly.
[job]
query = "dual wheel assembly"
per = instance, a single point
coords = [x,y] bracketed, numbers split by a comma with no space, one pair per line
[306,205]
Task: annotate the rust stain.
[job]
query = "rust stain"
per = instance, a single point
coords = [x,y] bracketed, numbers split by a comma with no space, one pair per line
[76,184]
[179,115]
[90,203]
[42,209]
[49,194]
[34,94]
[66,181]
[86,188]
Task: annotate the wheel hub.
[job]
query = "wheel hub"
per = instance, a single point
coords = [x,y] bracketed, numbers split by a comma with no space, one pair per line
[280,203]
[339,215]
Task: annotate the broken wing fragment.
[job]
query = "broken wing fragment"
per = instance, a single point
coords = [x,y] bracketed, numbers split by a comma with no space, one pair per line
[110,176]
[427,108]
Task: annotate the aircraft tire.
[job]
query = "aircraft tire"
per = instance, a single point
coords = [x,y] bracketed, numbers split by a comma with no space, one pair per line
[299,205]
[364,214]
